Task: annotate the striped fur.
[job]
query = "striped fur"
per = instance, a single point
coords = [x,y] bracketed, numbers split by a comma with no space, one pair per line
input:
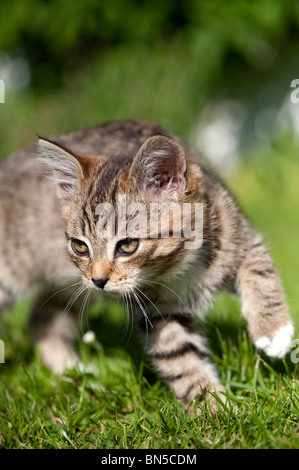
[164,284]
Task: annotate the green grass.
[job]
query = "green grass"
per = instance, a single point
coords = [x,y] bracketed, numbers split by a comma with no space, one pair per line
[120,402]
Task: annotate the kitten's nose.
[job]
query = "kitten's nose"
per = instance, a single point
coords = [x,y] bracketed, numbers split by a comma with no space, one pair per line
[100,282]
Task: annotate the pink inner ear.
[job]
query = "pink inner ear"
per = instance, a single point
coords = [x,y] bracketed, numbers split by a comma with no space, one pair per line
[160,168]
[64,181]
[167,187]
[59,174]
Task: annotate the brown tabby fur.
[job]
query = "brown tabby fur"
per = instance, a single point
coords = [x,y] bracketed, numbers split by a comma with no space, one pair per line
[164,284]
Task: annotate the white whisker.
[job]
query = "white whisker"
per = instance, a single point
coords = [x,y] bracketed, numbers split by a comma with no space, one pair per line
[58,292]
[166,287]
[145,314]
[143,308]
[71,302]
[130,316]
[161,315]
[83,309]
[74,298]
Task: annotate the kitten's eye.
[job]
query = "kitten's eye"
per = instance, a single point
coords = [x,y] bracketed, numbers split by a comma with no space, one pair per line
[79,247]
[128,246]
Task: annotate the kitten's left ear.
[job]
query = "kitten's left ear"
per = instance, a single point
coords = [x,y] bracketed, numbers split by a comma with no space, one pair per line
[65,167]
[159,168]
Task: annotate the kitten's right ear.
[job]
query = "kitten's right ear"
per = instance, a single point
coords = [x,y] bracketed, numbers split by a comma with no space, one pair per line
[65,168]
[159,168]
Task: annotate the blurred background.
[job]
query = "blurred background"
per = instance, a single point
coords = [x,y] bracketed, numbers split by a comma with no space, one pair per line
[217,73]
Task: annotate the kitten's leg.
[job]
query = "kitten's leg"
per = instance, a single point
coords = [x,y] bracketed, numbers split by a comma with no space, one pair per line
[180,356]
[53,331]
[262,302]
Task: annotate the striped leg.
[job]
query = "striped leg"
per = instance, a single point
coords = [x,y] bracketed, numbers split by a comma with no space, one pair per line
[262,302]
[180,356]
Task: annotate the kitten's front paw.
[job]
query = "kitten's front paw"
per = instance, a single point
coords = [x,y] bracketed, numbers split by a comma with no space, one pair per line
[280,344]
[57,355]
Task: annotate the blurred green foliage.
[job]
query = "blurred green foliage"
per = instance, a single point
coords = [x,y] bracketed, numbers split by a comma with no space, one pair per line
[56,35]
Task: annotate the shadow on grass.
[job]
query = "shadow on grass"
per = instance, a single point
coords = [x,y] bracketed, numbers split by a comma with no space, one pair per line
[224,329]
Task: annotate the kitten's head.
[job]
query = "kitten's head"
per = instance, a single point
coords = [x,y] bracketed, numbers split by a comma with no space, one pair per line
[124,217]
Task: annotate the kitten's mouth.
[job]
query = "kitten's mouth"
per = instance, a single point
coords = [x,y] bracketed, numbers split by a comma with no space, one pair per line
[104,291]
[114,295]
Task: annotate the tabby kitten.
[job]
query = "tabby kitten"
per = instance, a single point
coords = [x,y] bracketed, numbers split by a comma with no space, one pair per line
[167,276]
